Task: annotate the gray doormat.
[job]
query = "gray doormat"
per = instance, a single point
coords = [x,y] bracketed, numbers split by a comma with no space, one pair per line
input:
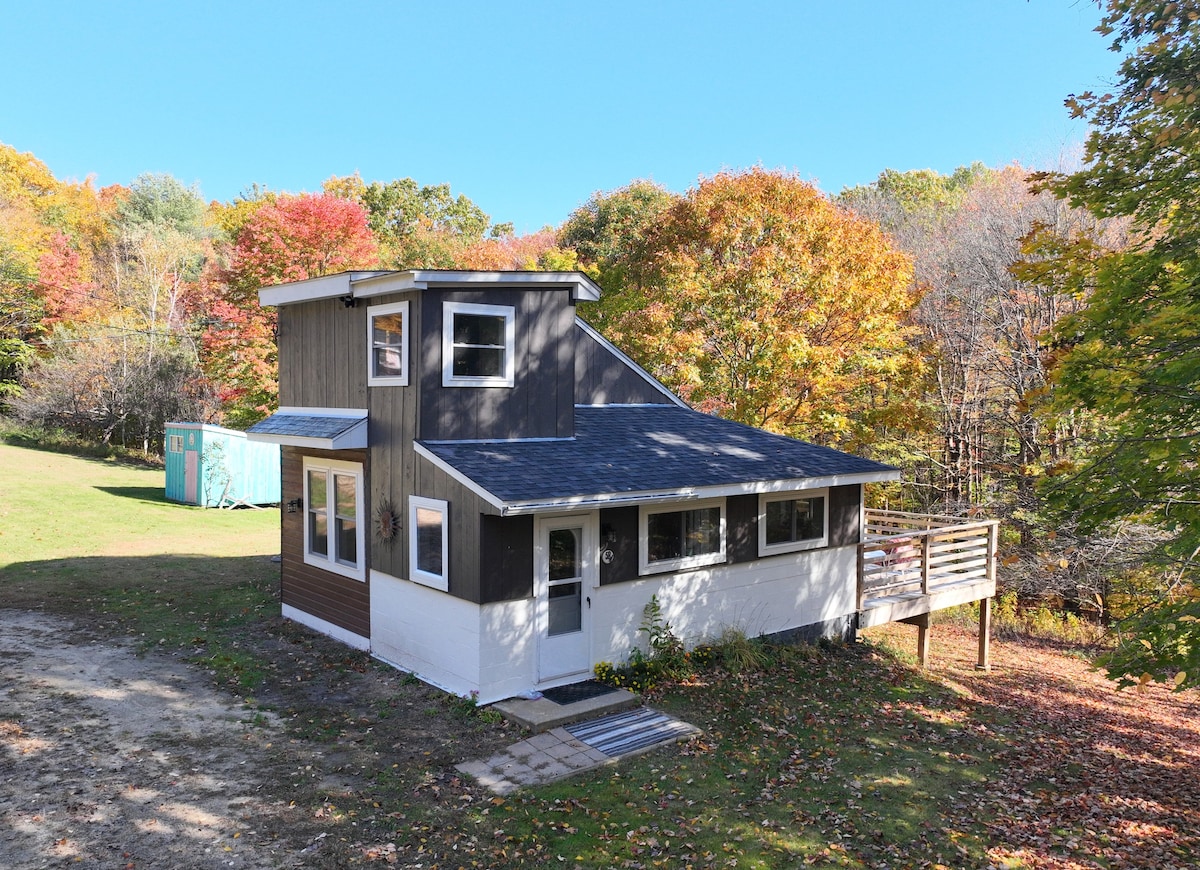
[622,733]
[576,692]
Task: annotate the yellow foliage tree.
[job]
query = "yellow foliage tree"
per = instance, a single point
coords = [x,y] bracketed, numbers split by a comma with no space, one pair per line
[768,304]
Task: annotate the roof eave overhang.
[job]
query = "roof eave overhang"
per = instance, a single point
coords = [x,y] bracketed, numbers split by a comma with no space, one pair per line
[366,285]
[325,287]
[353,437]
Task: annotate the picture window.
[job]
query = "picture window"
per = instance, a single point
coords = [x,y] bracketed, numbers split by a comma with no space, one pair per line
[793,521]
[674,539]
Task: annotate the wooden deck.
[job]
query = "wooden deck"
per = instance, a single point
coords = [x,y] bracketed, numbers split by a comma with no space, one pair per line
[910,565]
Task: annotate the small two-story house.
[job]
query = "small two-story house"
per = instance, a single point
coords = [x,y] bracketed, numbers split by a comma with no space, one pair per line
[479,488]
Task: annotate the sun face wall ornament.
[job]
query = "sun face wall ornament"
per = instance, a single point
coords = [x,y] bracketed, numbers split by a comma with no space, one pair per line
[387,522]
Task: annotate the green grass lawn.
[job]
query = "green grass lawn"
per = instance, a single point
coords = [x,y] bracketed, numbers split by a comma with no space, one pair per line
[97,539]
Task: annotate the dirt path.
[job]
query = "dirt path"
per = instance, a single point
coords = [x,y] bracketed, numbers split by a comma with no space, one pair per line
[111,760]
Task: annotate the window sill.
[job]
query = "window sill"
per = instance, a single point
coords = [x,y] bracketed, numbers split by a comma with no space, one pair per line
[354,573]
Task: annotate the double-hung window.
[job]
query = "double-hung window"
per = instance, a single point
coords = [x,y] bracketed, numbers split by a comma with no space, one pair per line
[674,539]
[477,345]
[428,553]
[387,345]
[793,521]
[175,443]
[333,516]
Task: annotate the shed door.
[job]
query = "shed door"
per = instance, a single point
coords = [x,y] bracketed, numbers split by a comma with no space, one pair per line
[566,576]
[191,463]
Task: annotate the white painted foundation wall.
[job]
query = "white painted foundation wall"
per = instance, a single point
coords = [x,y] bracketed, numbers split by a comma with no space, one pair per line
[762,597]
[491,649]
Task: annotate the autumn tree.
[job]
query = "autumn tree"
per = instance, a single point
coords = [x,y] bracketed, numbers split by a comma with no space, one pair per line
[511,252]
[772,306]
[48,230]
[1132,354]
[287,238]
[121,360]
[607,235]
[417,226]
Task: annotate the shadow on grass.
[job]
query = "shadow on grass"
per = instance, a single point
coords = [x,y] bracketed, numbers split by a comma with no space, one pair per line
[145,589]
[150,494]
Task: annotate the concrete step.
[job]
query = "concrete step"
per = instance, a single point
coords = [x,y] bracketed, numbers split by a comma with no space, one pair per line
[542,714]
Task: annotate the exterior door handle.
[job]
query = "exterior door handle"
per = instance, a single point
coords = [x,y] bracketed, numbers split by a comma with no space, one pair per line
[589,601]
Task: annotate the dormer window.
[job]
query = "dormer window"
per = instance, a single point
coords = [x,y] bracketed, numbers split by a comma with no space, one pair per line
[387,345]
[477,345]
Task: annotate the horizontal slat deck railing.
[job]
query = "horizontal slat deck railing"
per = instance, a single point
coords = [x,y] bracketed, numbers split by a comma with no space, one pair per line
[922,553]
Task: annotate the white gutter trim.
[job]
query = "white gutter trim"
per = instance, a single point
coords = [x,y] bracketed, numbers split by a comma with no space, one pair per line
[546,439]
[581,286]
[698,492]
[325,287]
[457,475]
[620,354]
[303,411]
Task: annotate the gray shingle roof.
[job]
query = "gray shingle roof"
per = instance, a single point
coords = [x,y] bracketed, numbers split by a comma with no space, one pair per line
[334,430]
[623,450]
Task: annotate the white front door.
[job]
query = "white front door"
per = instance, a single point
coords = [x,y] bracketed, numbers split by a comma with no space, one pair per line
[566,574]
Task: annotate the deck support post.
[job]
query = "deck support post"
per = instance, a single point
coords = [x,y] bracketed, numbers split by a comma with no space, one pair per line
[985,635]
[923,641]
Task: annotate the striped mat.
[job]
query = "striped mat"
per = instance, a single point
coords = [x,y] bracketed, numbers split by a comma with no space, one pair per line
[621,733]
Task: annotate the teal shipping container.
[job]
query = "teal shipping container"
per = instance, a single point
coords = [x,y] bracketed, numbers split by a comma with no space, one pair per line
[212,466]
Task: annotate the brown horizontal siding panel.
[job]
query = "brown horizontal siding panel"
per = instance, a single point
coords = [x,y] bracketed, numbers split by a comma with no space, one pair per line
[336,599]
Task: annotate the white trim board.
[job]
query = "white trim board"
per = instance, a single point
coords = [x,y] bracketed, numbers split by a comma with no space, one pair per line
[349,638]
[364,285]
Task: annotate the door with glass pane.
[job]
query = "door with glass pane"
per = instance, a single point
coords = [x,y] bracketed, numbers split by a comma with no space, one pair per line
[566,573]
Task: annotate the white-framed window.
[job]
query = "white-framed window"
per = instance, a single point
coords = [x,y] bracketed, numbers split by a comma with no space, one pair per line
[789,521]
[675,538]
[387,344]
[478,344]
[175,443]
[428,538]
[333,516]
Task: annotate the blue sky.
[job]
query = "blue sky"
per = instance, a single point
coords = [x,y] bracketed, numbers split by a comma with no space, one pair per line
[530,107]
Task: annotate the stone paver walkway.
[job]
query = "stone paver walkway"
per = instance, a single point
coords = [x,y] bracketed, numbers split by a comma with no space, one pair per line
[557,753]
[540,758]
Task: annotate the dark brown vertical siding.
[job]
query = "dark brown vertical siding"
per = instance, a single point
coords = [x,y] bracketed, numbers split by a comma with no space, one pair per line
[391,429]
[328,596]
[465,508]
[322,355]
[619,533]
[741,528]
[532,408]
[601,377]
[506,558]
[845,503]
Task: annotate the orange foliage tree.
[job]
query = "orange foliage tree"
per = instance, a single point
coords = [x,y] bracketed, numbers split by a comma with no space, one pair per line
[770,305]
[288,238]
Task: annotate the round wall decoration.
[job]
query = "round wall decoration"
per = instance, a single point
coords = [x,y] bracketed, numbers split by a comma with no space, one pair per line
[387,522]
